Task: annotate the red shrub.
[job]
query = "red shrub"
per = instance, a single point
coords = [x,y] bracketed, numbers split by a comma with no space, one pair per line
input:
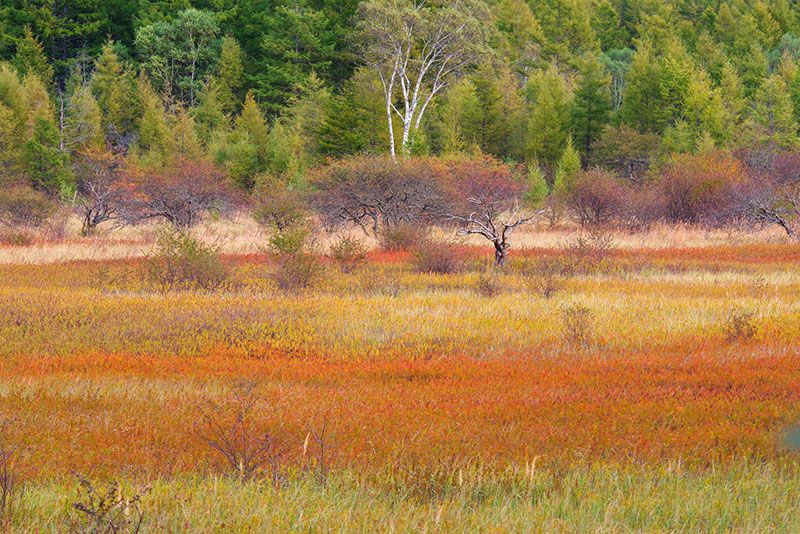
[699,188]
[597,197]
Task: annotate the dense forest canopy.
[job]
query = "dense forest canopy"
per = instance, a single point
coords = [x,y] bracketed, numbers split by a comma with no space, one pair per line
[266,89]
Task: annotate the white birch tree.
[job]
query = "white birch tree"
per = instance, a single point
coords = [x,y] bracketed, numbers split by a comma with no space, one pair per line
[417,48]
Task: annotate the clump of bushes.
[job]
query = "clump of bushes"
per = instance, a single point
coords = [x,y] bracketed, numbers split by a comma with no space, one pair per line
[182,262]
[297,263]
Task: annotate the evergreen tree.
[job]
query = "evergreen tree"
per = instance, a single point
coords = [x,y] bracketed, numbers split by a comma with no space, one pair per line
[83,122]
[297,41]
[567,170]
[46,164]
[548,116]
[591,106]
[772,119]
[30,57]
[230,76]
[209,115]
[116,91]
[537,190]
[154,142]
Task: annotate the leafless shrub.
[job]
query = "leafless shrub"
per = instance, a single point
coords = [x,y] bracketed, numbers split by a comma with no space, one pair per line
[376,192]
[349,254]
[23,206]
[229,429]
[577,321]
[590,249]
[317,449]
[15,238]
[596,198]
[544,278]
[101,187]
[740,326]
[106,509]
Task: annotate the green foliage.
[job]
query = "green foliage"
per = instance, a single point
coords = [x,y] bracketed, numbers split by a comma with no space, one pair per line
[568,168]
[591,106]
[46,164]
[30,57]
[297,41]
[82,122]
[537,189]
[548,115]
[117,94]
[178,55]
[182,262]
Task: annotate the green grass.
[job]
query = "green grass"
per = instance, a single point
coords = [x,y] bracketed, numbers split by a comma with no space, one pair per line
[744,498]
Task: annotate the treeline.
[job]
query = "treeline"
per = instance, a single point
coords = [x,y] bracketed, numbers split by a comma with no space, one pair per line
[258,92]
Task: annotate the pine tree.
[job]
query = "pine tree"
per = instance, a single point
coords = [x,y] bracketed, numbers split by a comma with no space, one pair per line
[46,164]
[83,122]
[704,110]
[591,106]
[183,132]
[772,119]
[9,146]
[116,91]
[154,142]
[230,76]
[537,190]
[568,168]
[30,57]
[208,115]
[548,116]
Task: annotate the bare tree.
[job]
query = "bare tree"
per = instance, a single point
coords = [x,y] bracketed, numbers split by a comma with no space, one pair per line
[487,201]
[417,49]
[179,193]
[375,193]
[101,187]
[772,193]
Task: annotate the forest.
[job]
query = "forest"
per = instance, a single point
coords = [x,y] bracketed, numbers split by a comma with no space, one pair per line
[259,93]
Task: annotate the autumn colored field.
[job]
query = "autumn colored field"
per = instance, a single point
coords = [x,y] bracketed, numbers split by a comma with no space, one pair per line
[441,405]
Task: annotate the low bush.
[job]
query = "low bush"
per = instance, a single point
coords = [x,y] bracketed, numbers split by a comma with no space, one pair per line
[436,258]
[577,323]
[740,326]
[349,254]
[183,262]
[404,236]
[23,206]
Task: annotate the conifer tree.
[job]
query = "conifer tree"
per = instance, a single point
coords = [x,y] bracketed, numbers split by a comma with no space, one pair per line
[230,76]
[548,116]
[568,168]
[30,57]
[83,122]
[591,106]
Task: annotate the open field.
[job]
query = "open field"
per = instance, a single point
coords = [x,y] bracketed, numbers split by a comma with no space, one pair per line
[443,407]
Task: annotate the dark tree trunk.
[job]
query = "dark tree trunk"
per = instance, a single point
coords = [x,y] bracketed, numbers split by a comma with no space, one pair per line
[500,253]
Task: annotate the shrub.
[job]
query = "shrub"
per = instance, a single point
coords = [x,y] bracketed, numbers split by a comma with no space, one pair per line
[740,326]
[577,325]
[699,188]
[106,508]
[403,236]
[596,197]
[183,262]
[349,254]
[179,194]
[435,258]
[228,429]
[488,285]
[23,206]
[15,238]
[276,206]
[544,278]
[297,271]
